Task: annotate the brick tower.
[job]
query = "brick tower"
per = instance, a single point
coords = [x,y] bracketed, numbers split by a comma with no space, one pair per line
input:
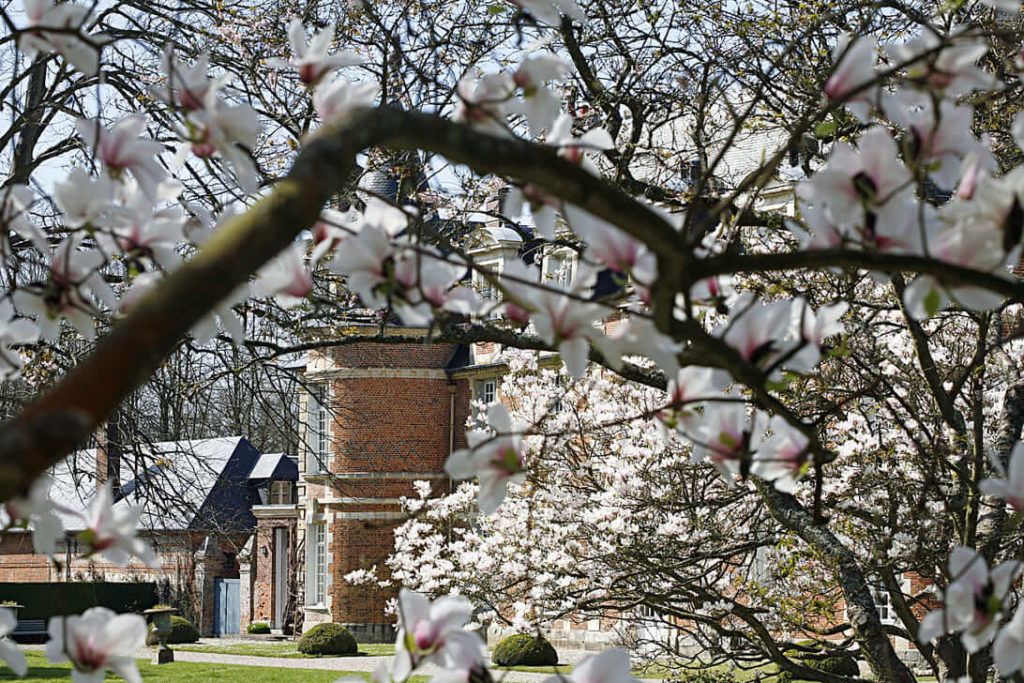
[376,418]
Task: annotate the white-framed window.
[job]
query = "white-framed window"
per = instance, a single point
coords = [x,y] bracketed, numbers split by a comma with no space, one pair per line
[281,492]
[484,287]
[560,269]
[317,571]
[319,425]
[883,603]
[487,390]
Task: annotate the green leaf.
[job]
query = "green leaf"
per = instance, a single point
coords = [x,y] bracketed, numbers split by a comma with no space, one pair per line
[932,302]
[825,128]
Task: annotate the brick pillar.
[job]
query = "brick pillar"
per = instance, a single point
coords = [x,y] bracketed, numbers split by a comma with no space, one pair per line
[246,582]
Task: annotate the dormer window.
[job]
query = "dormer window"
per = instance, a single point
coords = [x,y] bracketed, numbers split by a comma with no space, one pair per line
[281,492]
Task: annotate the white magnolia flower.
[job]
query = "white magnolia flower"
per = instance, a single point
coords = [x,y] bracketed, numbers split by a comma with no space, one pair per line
[610,666]
[1008,650]
[434,632]
[67,18]
[9,651]
[973,601]
[855,69]
[13,332]
[110,531]
[311,60]
[540,104]
[339,95]
[232,132]
[38,510]
[785,458]
[85,200]
[550,11]
[496,460]
[95,641]
[1010,488]
[286,277]
[121,149]
[15,201]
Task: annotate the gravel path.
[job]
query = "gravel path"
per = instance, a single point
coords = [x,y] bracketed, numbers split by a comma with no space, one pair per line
[366,664]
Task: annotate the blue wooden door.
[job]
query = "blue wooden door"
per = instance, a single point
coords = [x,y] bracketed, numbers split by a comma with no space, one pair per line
[227,614]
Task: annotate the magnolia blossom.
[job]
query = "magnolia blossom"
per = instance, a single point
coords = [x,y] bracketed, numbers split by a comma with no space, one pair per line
[482,102]
[756,330]
[74,280]
[286,277]
[427,282]
[543,208]
[95,641]
[1011,487]
[858,180]
[948,69]
[973,601]
[1008,649]
[231,131]
[496,460]
[785,458]
[434,632]
[85,200]
[140,230]
[937,139]
[613,247]
[572,148]
[110,530]
[855,69]
[725,438]
[38,510]
[973,245]
[690,385]
[540,104]
[813,328]
[121,149]
[339,95]
[9,651]
[550,11]
[311,60]
[610,666]
[569,326]
[188,87]
[68,18]
[15,201]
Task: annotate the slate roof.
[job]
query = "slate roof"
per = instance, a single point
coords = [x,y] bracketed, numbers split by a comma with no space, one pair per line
[200,485]
[275,466]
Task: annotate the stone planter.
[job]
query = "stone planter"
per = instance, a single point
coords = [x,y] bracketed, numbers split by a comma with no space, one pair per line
[161,618]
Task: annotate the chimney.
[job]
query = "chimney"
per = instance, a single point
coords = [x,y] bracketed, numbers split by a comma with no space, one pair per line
[108,455]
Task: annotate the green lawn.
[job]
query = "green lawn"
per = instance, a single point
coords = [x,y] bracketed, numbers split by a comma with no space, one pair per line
[559,669]
[179,672]
[286,648]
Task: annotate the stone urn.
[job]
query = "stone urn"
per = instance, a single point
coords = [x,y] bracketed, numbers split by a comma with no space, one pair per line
[13,606]
[161,618]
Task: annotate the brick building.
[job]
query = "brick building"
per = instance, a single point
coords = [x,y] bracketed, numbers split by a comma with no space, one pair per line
[197,498]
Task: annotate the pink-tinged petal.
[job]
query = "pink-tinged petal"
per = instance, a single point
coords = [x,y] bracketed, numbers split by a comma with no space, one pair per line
[13,656]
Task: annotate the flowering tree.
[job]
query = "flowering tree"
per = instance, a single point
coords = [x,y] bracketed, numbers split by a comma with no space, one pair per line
[806,361]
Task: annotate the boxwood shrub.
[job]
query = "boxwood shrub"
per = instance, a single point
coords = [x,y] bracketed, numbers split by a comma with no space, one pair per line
[327,639]
[258,628]
[523,649]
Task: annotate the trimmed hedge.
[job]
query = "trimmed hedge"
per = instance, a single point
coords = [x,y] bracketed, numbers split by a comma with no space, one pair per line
[45,600]
[327,639]
[523,649]
[258,628]
[842,665]
[182,631]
